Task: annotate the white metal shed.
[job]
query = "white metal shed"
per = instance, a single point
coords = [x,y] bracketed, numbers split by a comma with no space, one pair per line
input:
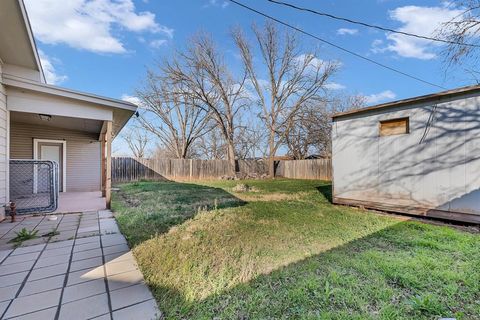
[418,156]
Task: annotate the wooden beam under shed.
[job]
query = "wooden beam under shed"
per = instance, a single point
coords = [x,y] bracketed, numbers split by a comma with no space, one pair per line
[411,210]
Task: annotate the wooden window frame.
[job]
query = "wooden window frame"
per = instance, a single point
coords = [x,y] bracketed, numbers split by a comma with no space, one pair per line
[402,119]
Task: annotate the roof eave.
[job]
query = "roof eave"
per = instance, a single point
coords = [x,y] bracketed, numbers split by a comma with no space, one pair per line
[33,44]
[68,93]
[404,102]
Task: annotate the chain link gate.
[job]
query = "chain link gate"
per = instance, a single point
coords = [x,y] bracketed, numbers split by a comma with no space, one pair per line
[34,185]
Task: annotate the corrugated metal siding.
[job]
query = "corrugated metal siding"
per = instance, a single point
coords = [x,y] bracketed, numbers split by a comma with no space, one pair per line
[83,152]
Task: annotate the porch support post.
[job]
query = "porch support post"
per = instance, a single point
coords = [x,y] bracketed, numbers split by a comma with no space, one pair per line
[102,164]
[108,164]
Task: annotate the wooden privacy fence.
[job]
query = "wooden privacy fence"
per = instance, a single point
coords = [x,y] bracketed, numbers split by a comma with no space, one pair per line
[308,169]
[126,169]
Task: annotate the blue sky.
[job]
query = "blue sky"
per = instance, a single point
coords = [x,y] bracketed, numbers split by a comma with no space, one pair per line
[104,46]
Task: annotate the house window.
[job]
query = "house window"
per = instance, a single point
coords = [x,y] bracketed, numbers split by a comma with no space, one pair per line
[394,127]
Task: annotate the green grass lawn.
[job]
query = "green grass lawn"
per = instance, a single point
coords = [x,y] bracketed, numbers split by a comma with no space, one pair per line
[285,252]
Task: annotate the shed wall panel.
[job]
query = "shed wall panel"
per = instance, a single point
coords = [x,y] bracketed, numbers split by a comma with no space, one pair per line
[435,166]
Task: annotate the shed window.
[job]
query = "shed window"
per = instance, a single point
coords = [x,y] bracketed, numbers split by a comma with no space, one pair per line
[394,127]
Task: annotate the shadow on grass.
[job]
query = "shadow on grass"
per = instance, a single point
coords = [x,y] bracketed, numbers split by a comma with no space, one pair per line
[145,209]
[293,259]
[326,191]
[374,277]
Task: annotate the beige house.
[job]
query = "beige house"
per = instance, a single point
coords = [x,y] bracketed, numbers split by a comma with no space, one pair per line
[41,121]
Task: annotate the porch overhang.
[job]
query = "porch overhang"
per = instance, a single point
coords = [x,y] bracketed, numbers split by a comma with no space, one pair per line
[34,97]
[68,109]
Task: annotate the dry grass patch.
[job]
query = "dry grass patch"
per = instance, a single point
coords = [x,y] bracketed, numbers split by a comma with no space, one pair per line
[276,196]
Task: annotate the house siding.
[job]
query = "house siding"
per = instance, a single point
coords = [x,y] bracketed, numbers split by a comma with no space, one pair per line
[3,149]
[435,166]
[83,153]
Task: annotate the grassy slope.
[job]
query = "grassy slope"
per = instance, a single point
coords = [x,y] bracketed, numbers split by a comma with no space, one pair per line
[286,252]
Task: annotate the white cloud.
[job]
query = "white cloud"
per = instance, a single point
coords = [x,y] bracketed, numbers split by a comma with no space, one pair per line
[263,83]
[132,99]
[417,20]
[49,70]
[378,46]
[315,62]
[347,31]
[380,97]
[217,3]
[157,43]
[89,24]
[334,86]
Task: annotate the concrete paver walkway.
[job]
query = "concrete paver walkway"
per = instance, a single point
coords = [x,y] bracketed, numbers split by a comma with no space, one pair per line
[93,275]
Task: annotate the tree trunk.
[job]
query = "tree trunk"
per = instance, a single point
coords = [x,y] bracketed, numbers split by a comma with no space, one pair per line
[271,156]
[231,156]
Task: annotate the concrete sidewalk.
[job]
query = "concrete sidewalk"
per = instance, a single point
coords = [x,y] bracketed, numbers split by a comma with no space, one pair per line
[91,276]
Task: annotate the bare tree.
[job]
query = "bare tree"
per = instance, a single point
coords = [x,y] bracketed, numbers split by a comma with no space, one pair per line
[310,129]
[137,141]
[211,146]
[160,152]
[250,142]
[464,28]
[307,131]
[172,115]
[202,74]
[342,103]
[294,79]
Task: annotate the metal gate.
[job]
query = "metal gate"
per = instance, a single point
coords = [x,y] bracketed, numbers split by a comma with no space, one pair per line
[34,185]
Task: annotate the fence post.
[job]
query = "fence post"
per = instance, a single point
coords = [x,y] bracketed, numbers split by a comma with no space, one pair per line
[191,168]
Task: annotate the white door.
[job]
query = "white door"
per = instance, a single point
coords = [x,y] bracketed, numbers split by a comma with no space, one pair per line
[50,153]
[53,151]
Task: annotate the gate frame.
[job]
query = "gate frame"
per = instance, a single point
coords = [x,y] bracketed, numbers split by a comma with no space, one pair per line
[54,190]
